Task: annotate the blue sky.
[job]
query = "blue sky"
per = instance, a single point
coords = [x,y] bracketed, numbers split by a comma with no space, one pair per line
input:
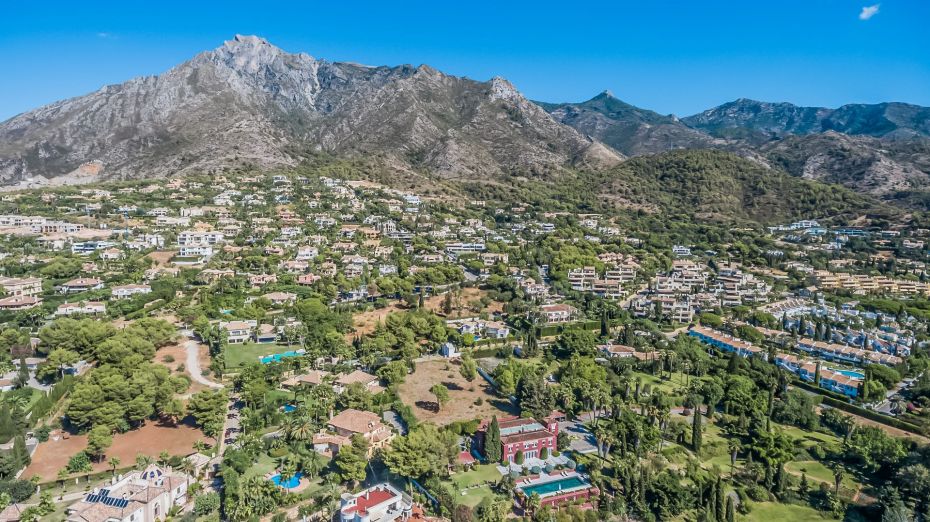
[673,57]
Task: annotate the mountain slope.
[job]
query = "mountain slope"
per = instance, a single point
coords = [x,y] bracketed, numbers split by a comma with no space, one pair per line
[760,121]
[628,129]
[249,103]
[721,186]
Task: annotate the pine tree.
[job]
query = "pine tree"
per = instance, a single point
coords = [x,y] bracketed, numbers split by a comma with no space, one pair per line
[492,441]
[696,435]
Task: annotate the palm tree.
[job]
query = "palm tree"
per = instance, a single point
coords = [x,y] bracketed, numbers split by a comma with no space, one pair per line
[143,461]
[287,469]
[312,464]
[114,463]
[532,503]
[300,429]
[305,510]
[838,474]
[734,446]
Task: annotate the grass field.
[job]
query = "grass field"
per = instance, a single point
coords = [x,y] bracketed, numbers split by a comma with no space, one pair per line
[482,473]
[238,355]
[817,471]
[474,496]
[672,387]
[263,464]
[810,438]
[772,511]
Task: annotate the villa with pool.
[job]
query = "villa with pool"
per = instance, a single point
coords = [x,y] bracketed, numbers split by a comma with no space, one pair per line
[555,490]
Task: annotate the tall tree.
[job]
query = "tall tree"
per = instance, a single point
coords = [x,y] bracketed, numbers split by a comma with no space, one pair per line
[696,432]
[492,441]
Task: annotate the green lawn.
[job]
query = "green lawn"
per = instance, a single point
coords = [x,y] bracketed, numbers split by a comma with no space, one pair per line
[238,355]
[474,496]
[481,474]
[671,387]
[772,511]
[817,471]
[264,464]
[809,438]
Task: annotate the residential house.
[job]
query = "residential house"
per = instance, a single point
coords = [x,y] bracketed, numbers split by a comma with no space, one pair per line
[128,291]
[82,284]
[365,423]
[140,496]
[524,435]
[82,308]
[238,332]
[380,503]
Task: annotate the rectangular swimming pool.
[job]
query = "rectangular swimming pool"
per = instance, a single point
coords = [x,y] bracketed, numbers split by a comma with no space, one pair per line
[555,486]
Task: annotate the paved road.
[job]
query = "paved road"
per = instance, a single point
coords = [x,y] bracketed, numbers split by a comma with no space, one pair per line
[193,361]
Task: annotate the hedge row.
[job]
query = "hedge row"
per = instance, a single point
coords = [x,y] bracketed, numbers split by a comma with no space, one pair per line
[873,415]
[841,402]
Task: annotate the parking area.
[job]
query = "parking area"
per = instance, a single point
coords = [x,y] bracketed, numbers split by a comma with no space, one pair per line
[582,441]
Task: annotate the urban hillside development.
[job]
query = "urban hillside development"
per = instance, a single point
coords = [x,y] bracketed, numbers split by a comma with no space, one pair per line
[263,286]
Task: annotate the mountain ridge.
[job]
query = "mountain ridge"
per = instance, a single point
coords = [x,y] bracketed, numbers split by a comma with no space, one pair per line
[251,103]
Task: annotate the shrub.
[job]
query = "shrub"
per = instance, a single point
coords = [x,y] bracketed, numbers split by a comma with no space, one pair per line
[518,459]
[277,452]
[549,468]
[206,503]
[168,358]
[535,470]
[79,463]
[571,464]
[757,493]
[19,490]
[42,433]
[544,453]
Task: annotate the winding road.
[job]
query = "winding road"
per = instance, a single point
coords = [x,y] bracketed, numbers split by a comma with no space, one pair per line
[193,361]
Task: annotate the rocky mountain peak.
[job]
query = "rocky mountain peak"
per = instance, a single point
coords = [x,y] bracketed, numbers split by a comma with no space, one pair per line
[250,103]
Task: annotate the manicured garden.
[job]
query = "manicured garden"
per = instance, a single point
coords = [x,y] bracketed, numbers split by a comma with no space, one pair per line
[238,355]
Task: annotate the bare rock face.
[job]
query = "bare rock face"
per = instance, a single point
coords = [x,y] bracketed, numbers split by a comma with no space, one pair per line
[250,103]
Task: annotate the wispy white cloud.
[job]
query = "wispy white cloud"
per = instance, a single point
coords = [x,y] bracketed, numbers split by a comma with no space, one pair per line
[106,35]
[869,11]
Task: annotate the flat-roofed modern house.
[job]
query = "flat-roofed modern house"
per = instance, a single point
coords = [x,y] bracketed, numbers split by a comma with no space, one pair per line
[380,503]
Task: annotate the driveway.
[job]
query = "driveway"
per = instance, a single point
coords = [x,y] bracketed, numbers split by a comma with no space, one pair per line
[394,419]
[582,441]
[193,361]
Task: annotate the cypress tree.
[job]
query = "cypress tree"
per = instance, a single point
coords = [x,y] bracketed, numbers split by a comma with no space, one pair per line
[731,510]
[711,502]
[696,436]
[719,501]
[605,326]
[492,441]
[22,376]
[20,453]
[7,428]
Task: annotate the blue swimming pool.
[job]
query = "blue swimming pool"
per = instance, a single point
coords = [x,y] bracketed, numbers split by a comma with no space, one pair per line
[852,373]
[292,482]
[289,408]
[548,488]
[278,357]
